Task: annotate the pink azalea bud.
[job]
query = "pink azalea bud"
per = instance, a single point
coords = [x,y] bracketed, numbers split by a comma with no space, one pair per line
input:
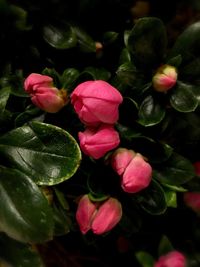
[121,158]
[96,102]
[165,78]
[97,142]
[172,259]
[192,200]
[85,212]
[107,216]
[137,175]
[34,80]
[99,217]
[43,94]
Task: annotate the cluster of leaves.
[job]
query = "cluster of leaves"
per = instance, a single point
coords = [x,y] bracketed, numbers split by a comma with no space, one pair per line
[39,151]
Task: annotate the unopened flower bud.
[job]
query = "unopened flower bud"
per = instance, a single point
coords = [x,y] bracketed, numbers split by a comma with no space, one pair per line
[165,78]
[98,217]
[172,259]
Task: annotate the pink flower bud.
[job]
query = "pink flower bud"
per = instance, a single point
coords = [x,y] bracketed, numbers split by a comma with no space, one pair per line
[97,142]
[37,80]
[192,200]
[43,94]
[172,259]
[96,102]
[121,158]
[85,212]
[99,217]
[165,78]
[107,216]
[137,175]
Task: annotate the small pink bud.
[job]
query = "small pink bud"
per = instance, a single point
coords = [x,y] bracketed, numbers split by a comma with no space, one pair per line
[99,217]
[96,102]
[107,216]
[43,94]
[172,259]
[121,158]
[137,175]
[192,200]
[97,142]
[85,212]
[165,78]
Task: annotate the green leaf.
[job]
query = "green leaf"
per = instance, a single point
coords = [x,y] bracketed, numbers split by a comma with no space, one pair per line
[176,170]
[175,61]
[62,222]
[20,18]
[145,259]
[17,254]
[165,246]
[171,198]
[86,43]
[4,95]
[69,78]
[110,37]
[23,208]
[62,37]
[147,42]
[183,99]
[152,199]
[127,73]
[187,44]
[151,112]
[46,153]
[97,73]
[54,75]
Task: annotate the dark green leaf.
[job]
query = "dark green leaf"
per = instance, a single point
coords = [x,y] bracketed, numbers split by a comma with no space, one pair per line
[126,132]
[176,170]
[59,37]
[152,199]
[24,212]
[175,61]
[110,37]
[97,73]
[128,112]
[20,18]
[86,43]
[127,73]
[145,259]
[183,99]
[48,154]
[54,75]
[125,56]
[17,254]
[4,95]
[62,222]
[165,246]
[69,78]
[188,43]
[147,42]
[151,112]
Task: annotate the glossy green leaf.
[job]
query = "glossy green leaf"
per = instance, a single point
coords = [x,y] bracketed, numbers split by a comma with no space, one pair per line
[46,153]
[147,42]
[187,44]
[151,112]
[85,41]
[4,95]
[17,254]
[54,75]
[62,222]
[24,211]
[69,77]
[152,199]
[176,170]
[183,99]
[145,259]
[62,37]
[127,73]
[171,198]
